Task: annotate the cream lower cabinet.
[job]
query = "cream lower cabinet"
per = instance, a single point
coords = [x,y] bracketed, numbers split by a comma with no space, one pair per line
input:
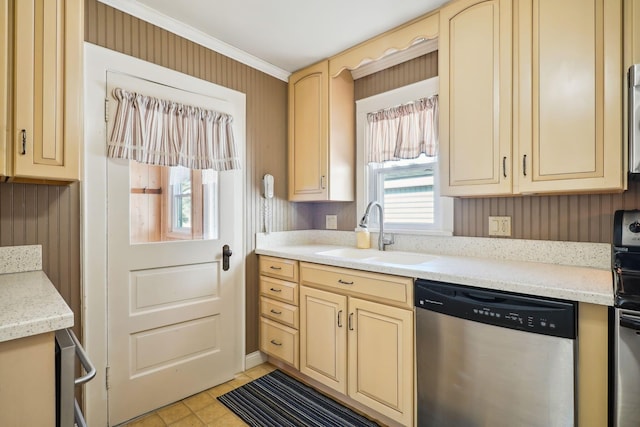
[531,97]
[356,336]
[279,316]
[323,337]
[27,381]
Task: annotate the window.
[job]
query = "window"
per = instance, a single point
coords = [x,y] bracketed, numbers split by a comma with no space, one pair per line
[180,200]
[407,189]
[193,214]
[172,203]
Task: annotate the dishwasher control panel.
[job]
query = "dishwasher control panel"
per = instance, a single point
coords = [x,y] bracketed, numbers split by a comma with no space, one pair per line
[514,311]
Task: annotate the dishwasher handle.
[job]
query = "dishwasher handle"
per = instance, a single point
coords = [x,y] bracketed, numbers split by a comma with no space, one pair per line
[630,322]
[483,298]
[84,360]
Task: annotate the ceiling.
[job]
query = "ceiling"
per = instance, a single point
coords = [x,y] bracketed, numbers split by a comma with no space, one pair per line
[285,35]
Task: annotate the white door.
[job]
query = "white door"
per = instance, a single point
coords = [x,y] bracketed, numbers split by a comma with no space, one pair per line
[172,309]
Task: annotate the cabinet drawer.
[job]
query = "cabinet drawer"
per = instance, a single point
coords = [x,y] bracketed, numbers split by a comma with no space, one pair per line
[385,288]
[279,341]
[280,268]
[279,289]
[279,311]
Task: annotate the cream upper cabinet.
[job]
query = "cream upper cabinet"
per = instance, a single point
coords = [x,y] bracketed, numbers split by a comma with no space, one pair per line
[568,117]
[475,97]
[560,128]
[47,90]
[5,129]
[321,135]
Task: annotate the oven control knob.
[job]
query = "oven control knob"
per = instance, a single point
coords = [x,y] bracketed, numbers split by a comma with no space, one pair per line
[634,227]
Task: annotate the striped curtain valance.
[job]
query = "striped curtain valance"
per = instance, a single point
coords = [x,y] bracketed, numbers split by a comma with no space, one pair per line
[403,132]
[166,133]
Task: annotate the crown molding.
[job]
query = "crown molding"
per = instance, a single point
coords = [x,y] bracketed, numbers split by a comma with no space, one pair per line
[147,14]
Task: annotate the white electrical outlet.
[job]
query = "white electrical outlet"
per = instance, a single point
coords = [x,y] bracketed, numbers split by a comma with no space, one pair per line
[331,222]
[499,226]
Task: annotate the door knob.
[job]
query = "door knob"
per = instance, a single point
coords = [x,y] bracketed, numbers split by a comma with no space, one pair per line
[226,253]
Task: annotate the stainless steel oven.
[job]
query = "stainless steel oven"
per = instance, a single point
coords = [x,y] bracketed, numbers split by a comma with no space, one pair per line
[68,413]
[626,274]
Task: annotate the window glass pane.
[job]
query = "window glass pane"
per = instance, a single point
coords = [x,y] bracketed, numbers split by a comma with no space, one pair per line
[407,191]
[408,197]
[172,203]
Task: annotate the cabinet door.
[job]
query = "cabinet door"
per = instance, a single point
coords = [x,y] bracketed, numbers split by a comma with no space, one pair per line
[27,368]
[4,86]
[323,337]
[475,97]
[569,91]
[381,358]
[48,88]
[308,133]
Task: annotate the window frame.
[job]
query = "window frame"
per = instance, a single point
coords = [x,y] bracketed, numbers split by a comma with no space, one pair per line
[195,231]
[444,205]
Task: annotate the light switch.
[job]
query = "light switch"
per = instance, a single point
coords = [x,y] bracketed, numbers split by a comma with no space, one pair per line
[499,226]
[331,222]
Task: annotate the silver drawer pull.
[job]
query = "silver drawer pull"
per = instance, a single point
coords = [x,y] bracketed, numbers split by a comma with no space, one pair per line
[276,312]
[340,319]
[273,267]
[344,282]
[275,290]
[350,319]
[274,342]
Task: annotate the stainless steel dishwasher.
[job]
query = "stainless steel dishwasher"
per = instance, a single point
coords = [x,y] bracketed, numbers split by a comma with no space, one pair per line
[491,358]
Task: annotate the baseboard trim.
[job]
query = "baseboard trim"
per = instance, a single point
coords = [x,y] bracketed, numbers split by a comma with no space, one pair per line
[254,359]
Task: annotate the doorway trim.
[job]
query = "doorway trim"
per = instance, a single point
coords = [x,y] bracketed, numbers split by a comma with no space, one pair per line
[97,60]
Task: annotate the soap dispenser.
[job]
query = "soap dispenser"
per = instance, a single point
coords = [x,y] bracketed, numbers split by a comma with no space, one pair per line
[363,240]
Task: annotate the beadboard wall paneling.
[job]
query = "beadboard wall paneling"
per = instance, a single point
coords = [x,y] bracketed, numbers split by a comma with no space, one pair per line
[266,121]
[49,216]
[418,69]
[575,218]
[403,74]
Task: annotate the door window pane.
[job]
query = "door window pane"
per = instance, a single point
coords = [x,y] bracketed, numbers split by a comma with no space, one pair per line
[172,203]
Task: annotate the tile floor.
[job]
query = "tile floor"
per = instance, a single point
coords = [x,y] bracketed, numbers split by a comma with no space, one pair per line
[202,409]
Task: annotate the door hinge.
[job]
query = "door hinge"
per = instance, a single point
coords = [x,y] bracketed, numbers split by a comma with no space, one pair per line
[106,110]
[106,377]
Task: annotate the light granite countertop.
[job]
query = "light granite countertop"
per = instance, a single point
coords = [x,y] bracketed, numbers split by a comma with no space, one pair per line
[29,303]
[585,281]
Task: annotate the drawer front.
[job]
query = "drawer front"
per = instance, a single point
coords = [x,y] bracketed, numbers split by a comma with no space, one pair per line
[279,289]
[279,341]
[279,311]
[385,288]
[280,268]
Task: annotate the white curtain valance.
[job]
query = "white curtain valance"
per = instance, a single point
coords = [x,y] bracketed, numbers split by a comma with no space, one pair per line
[166,133]
[403,132]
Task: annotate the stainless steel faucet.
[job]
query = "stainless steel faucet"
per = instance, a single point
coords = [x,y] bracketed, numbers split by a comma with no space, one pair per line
[382,242]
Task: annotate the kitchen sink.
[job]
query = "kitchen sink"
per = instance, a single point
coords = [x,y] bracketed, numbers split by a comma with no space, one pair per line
[376,256]
[350,253]
[403,258]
